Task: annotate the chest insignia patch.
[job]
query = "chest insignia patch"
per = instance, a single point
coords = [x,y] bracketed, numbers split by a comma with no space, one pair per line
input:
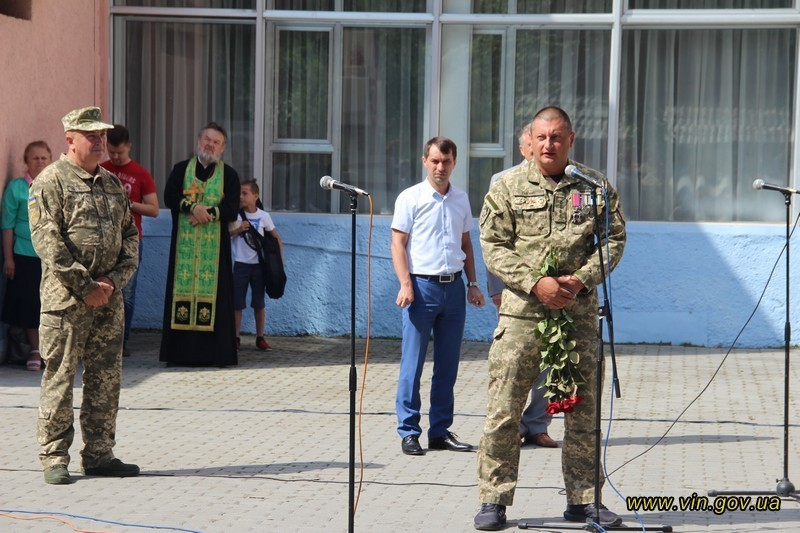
[530,202]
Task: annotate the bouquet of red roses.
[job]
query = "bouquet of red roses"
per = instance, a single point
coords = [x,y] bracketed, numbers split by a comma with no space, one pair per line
[559,357]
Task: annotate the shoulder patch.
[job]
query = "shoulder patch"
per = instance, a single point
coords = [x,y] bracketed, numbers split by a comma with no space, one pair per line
[33,210]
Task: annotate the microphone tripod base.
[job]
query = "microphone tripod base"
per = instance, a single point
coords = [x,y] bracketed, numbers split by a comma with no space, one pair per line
[588,526]
[784,489]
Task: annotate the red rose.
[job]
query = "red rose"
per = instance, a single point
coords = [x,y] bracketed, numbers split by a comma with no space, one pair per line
[553,408]
[568,404]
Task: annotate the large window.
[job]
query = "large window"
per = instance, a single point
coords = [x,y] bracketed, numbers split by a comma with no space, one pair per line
[709,4]
[381,6]
[301,133]
[172,78]
[683,112]
[382,111]
[540,6]
[369,136]
[566,68]
[703,114]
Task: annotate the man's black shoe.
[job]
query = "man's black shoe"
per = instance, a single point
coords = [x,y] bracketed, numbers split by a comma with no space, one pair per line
[449,442]
[580,513]
[491,517]
[410,445]
[114,468]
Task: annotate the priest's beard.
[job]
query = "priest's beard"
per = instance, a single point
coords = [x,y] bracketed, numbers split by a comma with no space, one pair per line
[206,157]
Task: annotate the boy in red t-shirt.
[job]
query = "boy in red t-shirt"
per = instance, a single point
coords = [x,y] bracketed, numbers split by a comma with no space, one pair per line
[142,196]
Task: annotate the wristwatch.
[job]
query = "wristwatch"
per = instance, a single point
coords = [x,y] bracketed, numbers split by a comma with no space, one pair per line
[472,284]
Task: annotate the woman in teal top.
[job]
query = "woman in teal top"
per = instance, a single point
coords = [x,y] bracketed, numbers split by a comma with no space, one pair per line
[22,266]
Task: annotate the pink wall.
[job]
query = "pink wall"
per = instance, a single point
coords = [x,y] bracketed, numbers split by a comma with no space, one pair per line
[54,62]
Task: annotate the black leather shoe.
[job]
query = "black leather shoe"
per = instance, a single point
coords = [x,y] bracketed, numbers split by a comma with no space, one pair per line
[449,442]
[410,445]
[491,517]
[114,468]
[580,513]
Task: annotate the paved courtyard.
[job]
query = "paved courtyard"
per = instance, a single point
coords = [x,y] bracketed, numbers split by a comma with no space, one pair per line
[264,446]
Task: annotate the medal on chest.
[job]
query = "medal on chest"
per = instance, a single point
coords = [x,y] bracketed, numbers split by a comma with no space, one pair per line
[581,206]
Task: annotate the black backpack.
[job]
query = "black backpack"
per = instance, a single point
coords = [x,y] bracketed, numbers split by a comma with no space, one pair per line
[269,257]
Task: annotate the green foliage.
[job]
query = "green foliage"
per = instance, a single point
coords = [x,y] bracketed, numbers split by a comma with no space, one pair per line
[558,353]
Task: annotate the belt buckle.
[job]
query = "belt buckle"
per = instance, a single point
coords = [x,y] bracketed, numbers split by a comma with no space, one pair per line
[446,278]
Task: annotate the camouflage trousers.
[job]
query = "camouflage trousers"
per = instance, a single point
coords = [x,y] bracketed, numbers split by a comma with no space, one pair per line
[92,336]
[513,368]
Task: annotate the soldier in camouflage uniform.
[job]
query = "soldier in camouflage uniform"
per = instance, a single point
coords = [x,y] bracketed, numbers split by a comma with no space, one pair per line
[529,210]
[84,233]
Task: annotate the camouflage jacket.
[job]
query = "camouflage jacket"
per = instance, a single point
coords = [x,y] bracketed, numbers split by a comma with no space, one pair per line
[82,229]
[523,216]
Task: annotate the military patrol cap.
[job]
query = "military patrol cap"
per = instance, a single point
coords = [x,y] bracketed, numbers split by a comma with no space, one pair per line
[85,119]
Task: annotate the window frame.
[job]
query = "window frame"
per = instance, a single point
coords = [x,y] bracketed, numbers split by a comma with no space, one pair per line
[439,16]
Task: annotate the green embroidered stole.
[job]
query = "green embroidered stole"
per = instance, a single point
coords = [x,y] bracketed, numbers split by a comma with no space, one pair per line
[194,292]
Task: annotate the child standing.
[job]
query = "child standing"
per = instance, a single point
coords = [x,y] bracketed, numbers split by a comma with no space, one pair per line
[246,269]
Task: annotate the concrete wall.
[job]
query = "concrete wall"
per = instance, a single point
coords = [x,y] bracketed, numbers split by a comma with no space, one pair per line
[54,61]
[53,58]
[677,283]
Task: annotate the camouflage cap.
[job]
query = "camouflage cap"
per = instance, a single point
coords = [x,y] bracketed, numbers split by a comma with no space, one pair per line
[85,119]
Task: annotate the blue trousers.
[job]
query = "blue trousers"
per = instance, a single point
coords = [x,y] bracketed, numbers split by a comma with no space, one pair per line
[535,418]
[129,297]
[438,309]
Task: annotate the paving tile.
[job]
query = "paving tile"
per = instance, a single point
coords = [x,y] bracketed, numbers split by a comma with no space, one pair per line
[265,446]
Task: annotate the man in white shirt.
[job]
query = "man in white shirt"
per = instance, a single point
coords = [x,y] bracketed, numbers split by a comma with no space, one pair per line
[430,250]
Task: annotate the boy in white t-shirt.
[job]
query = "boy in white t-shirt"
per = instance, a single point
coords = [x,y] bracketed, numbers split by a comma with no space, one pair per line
[246,269]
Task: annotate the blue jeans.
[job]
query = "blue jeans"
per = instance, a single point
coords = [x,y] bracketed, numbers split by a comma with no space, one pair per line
[129,297]
[438,308]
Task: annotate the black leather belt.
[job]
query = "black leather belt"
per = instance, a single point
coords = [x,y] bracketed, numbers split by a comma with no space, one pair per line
[440,278]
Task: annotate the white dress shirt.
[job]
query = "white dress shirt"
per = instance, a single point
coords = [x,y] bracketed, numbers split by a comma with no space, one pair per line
[435,224]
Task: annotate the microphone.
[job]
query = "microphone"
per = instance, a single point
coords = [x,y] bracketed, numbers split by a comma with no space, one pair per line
[328,182]
[759,184]
[575,173]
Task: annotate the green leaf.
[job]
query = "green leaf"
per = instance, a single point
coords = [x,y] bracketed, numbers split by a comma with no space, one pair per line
[571,345]
[574,358]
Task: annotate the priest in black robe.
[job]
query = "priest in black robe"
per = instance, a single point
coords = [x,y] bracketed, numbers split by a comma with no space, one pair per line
[203,195]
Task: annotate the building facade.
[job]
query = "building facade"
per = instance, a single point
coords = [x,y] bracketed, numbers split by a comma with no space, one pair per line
[682,103]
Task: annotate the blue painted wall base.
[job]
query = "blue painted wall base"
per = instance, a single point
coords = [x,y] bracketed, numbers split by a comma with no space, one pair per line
[677,282]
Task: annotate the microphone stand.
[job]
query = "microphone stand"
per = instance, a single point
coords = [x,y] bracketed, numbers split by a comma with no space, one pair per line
[352,477]
[329,183]
[604,311]
[785,488]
